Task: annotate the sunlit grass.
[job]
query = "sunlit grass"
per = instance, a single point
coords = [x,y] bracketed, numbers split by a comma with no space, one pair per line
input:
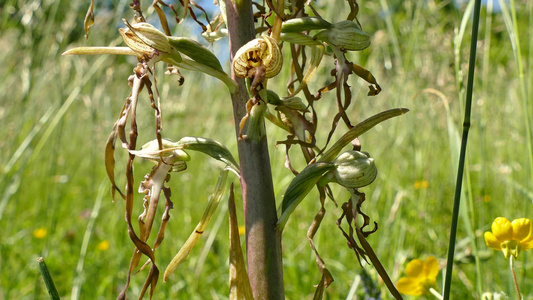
[56,113]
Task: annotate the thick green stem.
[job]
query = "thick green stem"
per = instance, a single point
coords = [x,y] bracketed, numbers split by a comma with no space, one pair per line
[263,244]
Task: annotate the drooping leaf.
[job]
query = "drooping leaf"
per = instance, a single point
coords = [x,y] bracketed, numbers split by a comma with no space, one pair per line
[299,187]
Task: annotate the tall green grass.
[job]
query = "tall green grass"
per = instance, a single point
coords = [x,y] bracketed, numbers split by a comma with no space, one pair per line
[56,113]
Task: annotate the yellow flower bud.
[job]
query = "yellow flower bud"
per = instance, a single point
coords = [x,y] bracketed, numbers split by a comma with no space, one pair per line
[145,39]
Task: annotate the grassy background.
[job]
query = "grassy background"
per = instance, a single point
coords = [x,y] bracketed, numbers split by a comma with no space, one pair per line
[56,113]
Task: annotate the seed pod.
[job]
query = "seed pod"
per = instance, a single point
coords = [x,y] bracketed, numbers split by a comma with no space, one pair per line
[346,34]
[354,169]
[262,51]
[145,39]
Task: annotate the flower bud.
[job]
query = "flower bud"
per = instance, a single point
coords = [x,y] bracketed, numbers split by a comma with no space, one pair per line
[262,51]
[346,34]
[170,150]
[145,39]
[354,169]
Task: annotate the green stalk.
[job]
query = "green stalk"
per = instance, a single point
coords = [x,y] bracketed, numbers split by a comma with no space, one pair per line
[466,128]
[511,266]
[48,281]
[263,243]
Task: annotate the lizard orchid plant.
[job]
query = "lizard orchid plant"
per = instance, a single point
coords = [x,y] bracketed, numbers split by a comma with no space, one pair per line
[291,38]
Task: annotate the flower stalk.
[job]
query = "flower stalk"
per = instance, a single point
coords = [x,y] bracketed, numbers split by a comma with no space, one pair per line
[517,288]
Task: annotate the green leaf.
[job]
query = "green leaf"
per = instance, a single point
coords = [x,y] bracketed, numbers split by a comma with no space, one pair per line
[359,129]
[196,51]
[210,147]
[299,187]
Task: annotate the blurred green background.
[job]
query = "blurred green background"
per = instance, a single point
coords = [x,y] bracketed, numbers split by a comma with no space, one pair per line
[56,113]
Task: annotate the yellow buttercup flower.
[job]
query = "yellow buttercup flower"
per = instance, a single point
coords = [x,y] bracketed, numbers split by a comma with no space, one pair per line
[421,277]
[510,237]
[241,230]
[103,245]
[421,184]
[39,233]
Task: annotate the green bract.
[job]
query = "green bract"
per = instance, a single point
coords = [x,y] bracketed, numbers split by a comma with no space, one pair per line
[196,52]
[305,24]
[347,35]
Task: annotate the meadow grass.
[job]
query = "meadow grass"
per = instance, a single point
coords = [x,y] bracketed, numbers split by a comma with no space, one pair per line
[56,113]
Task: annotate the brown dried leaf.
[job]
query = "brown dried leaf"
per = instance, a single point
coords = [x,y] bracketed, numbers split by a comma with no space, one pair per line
[89,19]
[361,236]
[327,279]
[239,284]
[368,77]
[162,16]
[377,264]
[110,162]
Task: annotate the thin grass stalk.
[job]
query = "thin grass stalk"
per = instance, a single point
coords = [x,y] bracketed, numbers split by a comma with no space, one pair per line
[511,24]
[392,33]
[464,139]
[529,100]
[78,280]
[523,89]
